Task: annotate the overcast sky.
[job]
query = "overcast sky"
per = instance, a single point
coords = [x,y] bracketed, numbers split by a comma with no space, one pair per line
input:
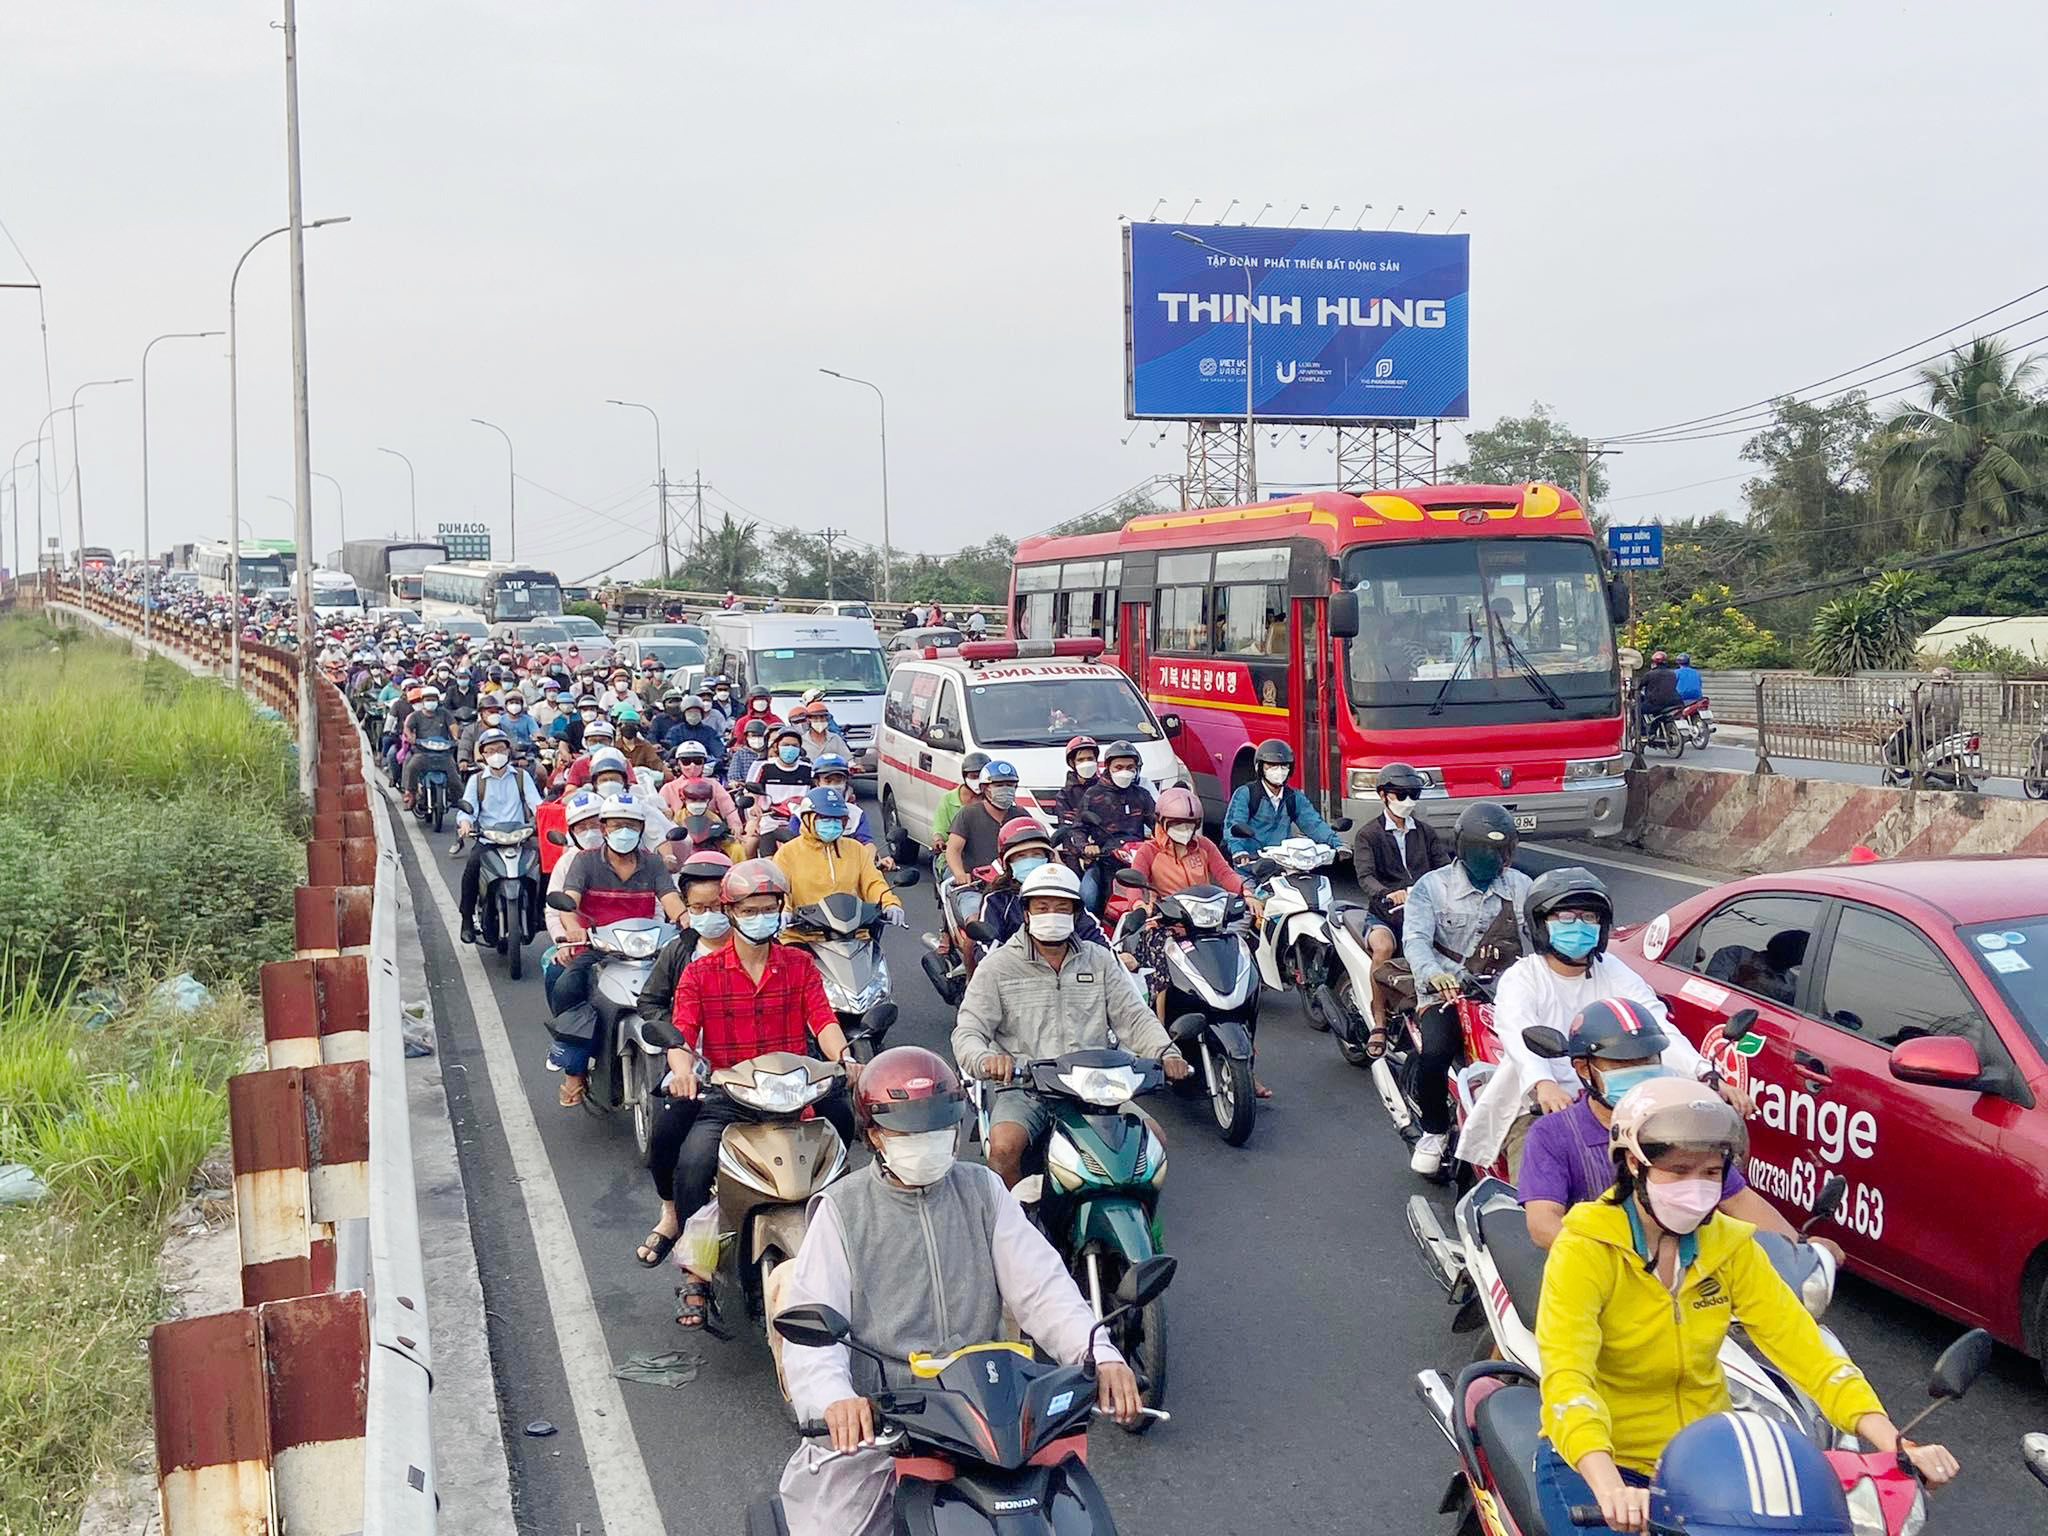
[1673,211]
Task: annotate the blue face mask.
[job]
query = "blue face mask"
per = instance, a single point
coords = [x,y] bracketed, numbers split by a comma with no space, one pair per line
[828,831]
[711,925]
[789,755]
[1574,939]
[1618,1081]
[761,926]
[1019,868]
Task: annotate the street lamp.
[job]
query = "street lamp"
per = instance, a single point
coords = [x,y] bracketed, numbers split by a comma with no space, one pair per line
[511,488]
[1251,463]
[14,477]
[235,458]
[61,410]
[884,404]
[148,559]
[412,488]
[77,484]
[660,477]
[340,512]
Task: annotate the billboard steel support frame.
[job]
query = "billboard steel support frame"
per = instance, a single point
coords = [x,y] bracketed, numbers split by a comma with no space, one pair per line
[1380,455]
[1217,465]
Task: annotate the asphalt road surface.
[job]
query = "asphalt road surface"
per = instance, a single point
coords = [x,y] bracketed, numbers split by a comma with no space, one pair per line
[1300,1315]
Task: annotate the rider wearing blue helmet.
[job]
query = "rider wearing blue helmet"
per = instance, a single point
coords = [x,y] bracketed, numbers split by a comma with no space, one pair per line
[823,859]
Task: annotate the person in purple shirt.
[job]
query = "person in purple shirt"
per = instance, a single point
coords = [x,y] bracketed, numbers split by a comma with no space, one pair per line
[1613,1045]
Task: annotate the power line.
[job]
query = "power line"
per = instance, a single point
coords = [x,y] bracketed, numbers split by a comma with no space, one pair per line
[1887,357]
[1925,562]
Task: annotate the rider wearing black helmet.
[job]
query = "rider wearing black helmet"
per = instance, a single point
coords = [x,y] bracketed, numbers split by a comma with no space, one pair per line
[1393,852]
[1459,922]
[1271,808]
[1115,810]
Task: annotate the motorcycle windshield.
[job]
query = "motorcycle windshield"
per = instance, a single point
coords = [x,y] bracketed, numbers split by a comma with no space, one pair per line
[842,912]
[1221,965]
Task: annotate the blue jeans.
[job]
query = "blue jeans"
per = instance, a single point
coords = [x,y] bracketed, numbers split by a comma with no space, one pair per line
[1558,1488]
[1091,888]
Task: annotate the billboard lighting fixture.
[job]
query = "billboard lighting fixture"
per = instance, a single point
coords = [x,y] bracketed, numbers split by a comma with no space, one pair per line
[1361,215]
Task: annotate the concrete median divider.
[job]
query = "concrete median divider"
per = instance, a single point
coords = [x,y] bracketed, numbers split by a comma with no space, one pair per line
[1750,823]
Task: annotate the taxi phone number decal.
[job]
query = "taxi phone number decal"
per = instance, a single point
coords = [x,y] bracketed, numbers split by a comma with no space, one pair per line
[1799,1184]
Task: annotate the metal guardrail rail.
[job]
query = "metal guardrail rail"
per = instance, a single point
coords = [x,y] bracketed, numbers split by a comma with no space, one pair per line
[307,1411]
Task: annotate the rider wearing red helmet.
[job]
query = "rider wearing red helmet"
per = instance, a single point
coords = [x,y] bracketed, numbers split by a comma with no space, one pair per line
[1084,767]
[918,1251]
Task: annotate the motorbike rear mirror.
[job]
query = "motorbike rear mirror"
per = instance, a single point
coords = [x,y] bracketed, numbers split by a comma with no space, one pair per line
[814,1327]
[1341,824]
[1131,879]
[1833,1190]
[2034,1448]
[1739,1024]
[1170,724]
[908,875]
[878,1019]
[1186,1027]
[982,933]
[1146,1280]
[1545,1041]
[561,901]
[1960,1365]
[559,839]
[676,834]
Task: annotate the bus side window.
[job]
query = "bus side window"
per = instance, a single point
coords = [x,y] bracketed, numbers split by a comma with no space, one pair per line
[1181,620]
[1251,619]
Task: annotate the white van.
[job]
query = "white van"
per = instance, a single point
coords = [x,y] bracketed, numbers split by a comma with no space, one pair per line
[335,596]
[1021,706]
[790,653]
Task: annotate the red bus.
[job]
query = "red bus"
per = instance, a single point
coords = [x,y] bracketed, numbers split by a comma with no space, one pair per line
[1466,629]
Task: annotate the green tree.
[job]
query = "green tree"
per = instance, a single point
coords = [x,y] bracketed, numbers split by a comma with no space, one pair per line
[729,561]
[1814,497]
[1138,502]
[1533,447]
[1874,628]
[1703,625]
[1968,462]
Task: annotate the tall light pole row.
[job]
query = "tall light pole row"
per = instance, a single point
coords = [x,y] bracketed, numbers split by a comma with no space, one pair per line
[148,560]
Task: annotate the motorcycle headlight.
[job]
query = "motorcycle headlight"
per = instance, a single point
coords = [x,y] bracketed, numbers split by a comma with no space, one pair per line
[637,943]
[842,1001]
[1108,1086]
[779,1093]
[1866,1512]
[1063,1164]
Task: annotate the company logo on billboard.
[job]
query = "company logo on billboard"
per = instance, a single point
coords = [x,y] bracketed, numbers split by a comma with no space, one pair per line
[1208,367]
[1383,369]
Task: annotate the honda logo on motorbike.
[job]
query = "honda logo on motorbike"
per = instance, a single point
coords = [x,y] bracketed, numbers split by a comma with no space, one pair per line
[1505,775]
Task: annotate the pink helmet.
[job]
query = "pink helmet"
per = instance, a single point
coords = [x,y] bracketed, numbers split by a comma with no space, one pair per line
[1178,804]
[1670,1112]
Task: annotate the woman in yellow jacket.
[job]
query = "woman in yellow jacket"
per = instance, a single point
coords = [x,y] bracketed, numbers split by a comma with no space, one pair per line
[1638,1293]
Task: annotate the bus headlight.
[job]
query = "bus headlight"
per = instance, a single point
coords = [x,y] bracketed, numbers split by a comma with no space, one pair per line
[1583,769]
[1363,783]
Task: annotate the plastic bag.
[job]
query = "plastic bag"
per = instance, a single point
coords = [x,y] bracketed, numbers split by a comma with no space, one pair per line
[697,1249]
[19,1185]
[184,992]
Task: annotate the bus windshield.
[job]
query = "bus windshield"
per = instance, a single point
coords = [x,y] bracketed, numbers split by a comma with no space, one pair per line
[260,571]
[525,597]
[1482,621]
[838,669]
[1046,714]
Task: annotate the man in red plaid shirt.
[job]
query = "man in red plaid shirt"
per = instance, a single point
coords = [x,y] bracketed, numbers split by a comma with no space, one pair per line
[749,998]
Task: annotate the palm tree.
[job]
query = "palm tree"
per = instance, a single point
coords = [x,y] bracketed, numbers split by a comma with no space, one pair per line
[1969,460]
[730,558]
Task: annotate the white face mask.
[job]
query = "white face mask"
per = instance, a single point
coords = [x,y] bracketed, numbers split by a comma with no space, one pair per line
[1276,774]
[920,1158]
[496,760]
[589,837]
[1052,927]
[1087,768]
[1181,834]
[1401,806]
[1124,778]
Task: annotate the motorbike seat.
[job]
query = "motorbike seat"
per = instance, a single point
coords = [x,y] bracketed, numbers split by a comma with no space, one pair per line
[1509,1421]
[1355,919]
[1505,1231]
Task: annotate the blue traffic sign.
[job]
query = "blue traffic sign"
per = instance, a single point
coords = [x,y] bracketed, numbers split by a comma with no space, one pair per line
[1637,548]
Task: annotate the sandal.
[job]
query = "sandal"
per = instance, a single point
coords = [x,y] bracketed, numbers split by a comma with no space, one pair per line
[655,1248]
[572,1091]
[1376,1041]
[694,1303]
[1260,1090]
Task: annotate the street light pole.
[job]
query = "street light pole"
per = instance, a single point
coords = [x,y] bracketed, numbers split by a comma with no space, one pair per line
[302,427]
[340,509]
[14,475]
[660,478]
[235,458]
[883,402]
[511,487]
[59,411]
[78,484]
[1251,435]
[148,559]
[412,488]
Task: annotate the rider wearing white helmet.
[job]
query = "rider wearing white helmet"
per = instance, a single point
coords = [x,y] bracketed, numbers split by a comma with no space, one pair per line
[1042,994]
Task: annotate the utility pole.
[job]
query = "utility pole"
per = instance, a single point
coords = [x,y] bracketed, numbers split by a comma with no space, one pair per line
[699,552]
[831,536]
[1587,454]
[661,489]
[302,435]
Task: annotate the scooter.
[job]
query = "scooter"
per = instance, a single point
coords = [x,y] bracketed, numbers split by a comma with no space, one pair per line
[1212,994]
[771,1162]
[1952,762]
[430,793]
[626,1066]
[1097,1197]
[844,936]
[1492,1418]
[1696,719]
[1394,1072]
[992,1442]
[2034,784]
[1345,999]
[1294,939]
[508,892]
[949,975]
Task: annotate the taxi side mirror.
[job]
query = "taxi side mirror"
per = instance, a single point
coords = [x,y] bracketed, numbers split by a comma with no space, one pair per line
[1937,1061]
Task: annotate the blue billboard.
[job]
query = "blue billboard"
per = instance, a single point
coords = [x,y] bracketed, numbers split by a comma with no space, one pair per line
[1347,325]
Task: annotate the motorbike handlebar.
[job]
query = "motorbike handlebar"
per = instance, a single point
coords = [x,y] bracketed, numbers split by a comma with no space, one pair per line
[1589,1514]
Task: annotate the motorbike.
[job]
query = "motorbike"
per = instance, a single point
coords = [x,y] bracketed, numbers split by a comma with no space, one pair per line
[626,1066]
[770,1162]
[2034,1447]
[1953,761]
[508,893]
[949,976]
[1212,994]
[1097,1197]
[1294,939]
[844,935]
[430,796]
[1394,1070]
[1696,719]
[992,1440]
[2034,784]
[1666,732]
[1492,1419]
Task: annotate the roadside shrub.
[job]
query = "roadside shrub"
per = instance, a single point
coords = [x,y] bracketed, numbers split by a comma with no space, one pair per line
[591,611]
[1871,629]
[1979,654]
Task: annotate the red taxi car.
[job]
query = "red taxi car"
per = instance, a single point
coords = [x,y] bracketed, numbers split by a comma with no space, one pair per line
[1902,1042]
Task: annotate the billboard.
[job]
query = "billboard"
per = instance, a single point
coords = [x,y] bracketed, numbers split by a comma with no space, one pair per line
[1347,325]
[465,541]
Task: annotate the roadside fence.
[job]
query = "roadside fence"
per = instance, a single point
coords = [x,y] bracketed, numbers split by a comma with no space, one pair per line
[305,1412]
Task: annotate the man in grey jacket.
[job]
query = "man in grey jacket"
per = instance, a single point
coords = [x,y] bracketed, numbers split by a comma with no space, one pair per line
[1042,994]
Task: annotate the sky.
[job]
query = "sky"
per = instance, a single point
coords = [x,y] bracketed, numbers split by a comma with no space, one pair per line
[1673,211]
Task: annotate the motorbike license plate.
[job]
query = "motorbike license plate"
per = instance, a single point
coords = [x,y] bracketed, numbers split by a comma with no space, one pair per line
[1974,761]
[1525,822]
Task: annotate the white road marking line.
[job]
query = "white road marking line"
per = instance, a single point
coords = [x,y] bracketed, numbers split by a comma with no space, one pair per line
[1622,861]
[625,1495]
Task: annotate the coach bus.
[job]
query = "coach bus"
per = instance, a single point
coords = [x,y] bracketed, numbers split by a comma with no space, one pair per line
[488,589]
[388,570]
[1465,629]
[260,568]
